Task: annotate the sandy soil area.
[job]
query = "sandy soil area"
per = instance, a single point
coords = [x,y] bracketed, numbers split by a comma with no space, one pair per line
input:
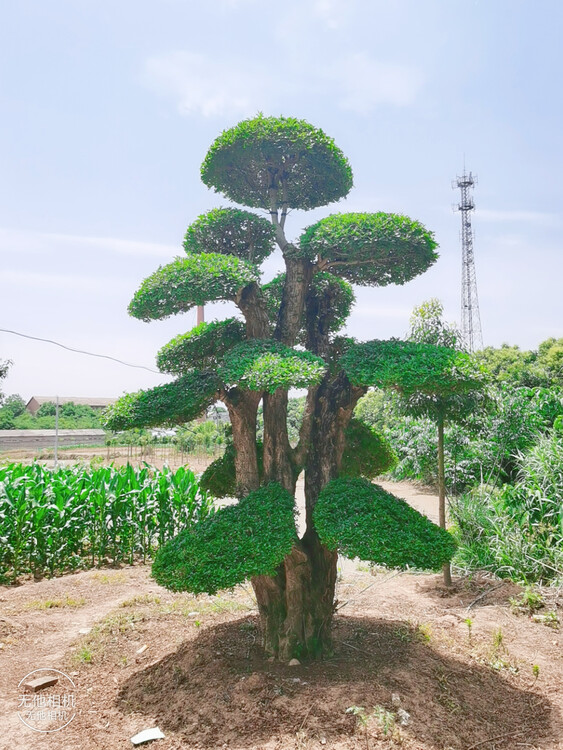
[415,666]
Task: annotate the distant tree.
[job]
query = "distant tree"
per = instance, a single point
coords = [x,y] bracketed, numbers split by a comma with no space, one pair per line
[550,358]
[509,365]
[456,403]
[4,367]
[71,416]
[12,407]
[428,326]
[48,409]
[286,339]
[15,404]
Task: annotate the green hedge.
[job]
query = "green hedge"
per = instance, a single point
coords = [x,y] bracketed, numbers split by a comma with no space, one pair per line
[363,520]
[367,454]
[248,539]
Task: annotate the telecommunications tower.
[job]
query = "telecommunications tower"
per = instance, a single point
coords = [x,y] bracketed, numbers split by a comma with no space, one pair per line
[472,337]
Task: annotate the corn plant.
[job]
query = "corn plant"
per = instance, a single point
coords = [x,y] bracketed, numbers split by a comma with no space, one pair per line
[69,518]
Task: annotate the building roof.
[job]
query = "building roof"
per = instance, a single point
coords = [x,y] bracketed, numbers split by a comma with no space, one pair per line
[99,402]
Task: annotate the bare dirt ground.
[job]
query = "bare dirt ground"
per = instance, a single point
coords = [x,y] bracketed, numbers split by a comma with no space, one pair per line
[470,672]
[204,680]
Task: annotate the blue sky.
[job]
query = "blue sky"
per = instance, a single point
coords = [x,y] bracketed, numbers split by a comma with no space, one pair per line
[108,108]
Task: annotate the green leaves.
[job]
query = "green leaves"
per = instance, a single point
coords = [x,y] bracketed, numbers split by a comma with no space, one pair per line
[410,367]
[266,365]
[370,249]
[201,347]
[171,403]
[367,454]
[363,520]
[236,543]
[219,479]
[53,521]
[230,231]
[277,158]
[191,281]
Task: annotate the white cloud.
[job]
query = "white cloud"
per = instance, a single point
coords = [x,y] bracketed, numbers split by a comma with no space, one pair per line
[19,241]
[382,311]
[75,282]
[365,83]
[333,13]
[210,87]
[206,86]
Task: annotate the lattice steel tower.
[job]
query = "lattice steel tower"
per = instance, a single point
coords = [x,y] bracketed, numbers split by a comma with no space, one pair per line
[470,320]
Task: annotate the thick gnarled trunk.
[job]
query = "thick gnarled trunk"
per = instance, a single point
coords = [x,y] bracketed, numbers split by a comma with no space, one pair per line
[297,605]
[243,407]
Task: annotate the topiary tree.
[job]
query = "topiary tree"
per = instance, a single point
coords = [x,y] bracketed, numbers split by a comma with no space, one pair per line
[274,165]
[428,386]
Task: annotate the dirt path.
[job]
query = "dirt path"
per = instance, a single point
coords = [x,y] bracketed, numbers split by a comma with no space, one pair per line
[482,677]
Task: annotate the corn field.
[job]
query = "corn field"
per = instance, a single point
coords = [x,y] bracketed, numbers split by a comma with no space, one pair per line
[74,518]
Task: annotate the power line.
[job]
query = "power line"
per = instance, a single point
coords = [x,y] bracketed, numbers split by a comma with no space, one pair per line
[79,351]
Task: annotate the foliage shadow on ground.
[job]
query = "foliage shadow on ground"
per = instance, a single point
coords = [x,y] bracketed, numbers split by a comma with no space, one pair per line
[219,690]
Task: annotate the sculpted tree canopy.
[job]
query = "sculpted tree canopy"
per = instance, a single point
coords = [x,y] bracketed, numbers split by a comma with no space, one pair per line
[286,335]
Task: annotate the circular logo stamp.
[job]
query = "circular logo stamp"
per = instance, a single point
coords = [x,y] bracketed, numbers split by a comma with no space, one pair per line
[46,700]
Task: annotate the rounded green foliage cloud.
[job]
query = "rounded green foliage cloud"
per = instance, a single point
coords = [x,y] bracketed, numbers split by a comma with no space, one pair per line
[191,281]
[171,403]
[248,539]
[230,231]
[366,454]
[281,153]
[201,347]
[363,520]
[370,249]
[410,367]
[219,479]
[266,365]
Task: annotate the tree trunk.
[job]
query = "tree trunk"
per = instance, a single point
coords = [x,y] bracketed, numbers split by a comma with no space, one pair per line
[446,569]
[243,406]
[278,464]
[297,605]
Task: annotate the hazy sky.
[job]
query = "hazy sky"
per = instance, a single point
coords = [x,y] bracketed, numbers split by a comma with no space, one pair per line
[108,109]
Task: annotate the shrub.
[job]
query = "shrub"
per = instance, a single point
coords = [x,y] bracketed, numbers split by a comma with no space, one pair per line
[517,531]
[363,520]
[366,454]
[248,539]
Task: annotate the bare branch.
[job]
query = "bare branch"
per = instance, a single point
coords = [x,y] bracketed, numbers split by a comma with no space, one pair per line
[301,450]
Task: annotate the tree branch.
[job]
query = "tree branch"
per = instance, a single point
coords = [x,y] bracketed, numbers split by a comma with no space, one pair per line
[284,203]
[301,450]
[281,239]
[250,301]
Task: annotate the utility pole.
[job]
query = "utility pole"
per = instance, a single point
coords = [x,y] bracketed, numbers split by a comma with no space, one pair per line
[200,314]
[470,319]
[56,432]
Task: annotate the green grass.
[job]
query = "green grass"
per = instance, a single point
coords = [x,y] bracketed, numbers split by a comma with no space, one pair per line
[67,601]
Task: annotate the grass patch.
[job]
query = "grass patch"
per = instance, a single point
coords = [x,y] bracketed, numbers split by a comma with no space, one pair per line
[140,600]
[67,601]
[83,656]
[109,578]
